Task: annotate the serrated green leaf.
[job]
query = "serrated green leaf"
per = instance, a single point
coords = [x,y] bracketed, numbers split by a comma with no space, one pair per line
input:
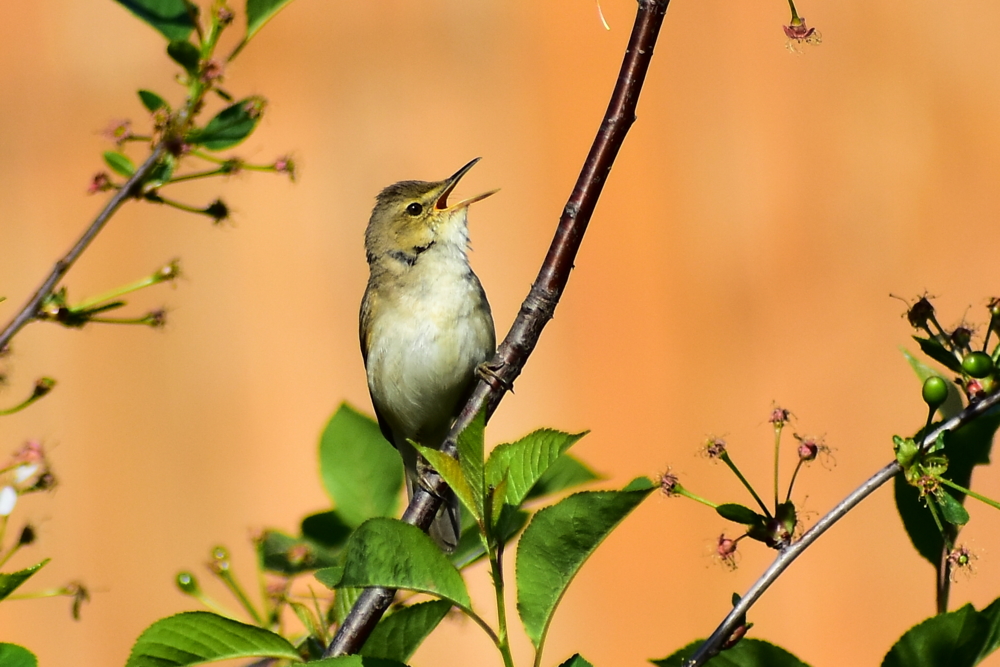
[471,444]
[230,126]
[953,404]
[576,661]
[451,472]
[361,472]
[746,653]
[326,528]
[954,639]
[965,448]
[951,510]
[738,513]
[397,636]
[558,541]
[196,637]
[939,353]
[260,12]
[372,558]
[354,661]
[169,17]
[991,638]
[12,655]
[185,54]
[525,462]
[119,163]
[565,473]
[10,582]
[152,101]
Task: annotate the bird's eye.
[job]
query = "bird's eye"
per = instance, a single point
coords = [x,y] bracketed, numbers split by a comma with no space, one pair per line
[414,209]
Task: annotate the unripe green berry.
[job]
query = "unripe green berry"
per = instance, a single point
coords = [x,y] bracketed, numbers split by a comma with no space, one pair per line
[187,583]
[935,391]
[977,364]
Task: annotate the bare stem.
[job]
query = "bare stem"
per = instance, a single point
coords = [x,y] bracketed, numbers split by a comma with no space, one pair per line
[30,309]
[540,303]
[711,646]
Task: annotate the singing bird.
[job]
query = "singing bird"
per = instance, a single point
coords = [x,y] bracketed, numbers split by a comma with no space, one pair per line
[425,322]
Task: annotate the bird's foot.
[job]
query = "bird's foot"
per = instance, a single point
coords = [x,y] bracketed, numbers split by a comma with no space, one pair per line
[490,373]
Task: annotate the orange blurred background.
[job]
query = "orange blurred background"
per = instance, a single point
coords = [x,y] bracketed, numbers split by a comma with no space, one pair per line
[764,206]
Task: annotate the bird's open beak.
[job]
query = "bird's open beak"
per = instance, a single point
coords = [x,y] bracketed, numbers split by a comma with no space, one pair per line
[450,183]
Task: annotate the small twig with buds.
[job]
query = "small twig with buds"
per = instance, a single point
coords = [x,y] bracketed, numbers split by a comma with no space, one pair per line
[540,303]
[713,645]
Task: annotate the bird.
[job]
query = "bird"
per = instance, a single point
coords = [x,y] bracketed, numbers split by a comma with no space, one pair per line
[425,323]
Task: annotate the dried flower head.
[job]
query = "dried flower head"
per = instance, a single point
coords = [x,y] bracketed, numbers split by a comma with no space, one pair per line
[961,559]
[713,448]
[725,551]
[779,416]
[212,71]
[668,483]
[118,131]
[810,448]
[798,33]
[285,165]
[101,182]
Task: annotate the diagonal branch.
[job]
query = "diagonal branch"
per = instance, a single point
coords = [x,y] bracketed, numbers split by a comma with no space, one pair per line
[711,646]
[541,301]
[30,310]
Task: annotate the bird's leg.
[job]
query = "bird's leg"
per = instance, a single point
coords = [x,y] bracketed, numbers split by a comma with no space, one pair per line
[490,373]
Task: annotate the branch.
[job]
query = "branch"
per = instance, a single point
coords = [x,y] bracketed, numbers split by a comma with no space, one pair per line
[711,646]
[540,303]
[30,310]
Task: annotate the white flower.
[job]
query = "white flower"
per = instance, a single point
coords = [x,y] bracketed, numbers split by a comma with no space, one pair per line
[8,498]
[24,472]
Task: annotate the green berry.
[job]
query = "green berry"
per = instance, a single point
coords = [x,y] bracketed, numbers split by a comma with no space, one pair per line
[935,391]
[187,583]
[977,364]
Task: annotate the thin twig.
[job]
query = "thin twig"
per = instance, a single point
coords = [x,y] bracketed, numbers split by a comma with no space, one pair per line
[30,310]
[711,646]
[540,303]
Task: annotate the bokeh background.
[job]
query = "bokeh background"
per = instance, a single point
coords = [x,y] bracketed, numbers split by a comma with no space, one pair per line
[762,210]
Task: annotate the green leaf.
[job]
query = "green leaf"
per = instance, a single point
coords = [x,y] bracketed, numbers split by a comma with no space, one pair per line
[185,54]
[10,582]
[576,661]
[355,661]
[284,554]
[362,472]
[951,510]
[119,163]
[965,448]
[953,404]
[747,653]
[230,126]
[260,12]
[397,636]
[451,472]
[161,172]
[343,602]
[196,637]
[470,546]
[954,639]
[557,542]
[372,558]
[170,17]
[326,528]
[152,101]
[525,461]
[12,655]
[939,353]
[471,443]
[565,473]
[739,514]
[991,639]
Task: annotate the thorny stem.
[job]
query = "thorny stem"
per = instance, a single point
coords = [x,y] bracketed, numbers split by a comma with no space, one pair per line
[711,646]
[540,303]
[732,466]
